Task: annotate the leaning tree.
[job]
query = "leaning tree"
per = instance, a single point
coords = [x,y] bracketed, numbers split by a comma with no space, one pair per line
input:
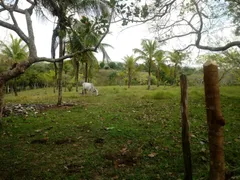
[126,11]
[86,33]
[9,10]
[14,52]
[65,12]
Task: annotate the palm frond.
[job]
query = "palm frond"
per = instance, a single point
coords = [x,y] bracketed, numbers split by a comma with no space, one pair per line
[102,48]
[95,7]
[15,50]
[140,52]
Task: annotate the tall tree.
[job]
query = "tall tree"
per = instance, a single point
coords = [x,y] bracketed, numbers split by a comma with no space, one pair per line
[67,68]
[159,62]
[130,66]
[4,63]
[148,53]
[61,9]
[86,34]
[176,57]
[15,52]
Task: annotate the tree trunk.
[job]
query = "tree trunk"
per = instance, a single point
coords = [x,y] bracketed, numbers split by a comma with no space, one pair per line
[77,75]
[185,129]
[175,72]
[1,101]
[15,87]
[129,78]
[7,89]
[129,81]
[158,77]
[55,77]
[149,77]
[215,121]
[65,82]
[60,72]
[86,72]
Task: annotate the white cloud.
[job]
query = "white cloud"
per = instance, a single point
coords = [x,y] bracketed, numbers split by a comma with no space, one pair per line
[124,39]
[43,36]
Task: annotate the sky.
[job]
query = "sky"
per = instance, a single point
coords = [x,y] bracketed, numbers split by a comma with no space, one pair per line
[123,39]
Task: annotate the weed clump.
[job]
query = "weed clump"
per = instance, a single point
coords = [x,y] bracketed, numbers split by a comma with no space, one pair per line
[116,90]
[162,95]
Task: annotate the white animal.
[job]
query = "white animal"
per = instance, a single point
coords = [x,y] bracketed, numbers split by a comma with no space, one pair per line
[89,87]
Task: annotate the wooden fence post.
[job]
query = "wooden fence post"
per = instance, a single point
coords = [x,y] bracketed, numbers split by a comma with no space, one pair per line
[215,121]
[185,129]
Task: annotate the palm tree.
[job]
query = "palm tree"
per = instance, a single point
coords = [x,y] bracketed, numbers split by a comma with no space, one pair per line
[88,59]
[159,61]
[148,53]
[67,68]
[14,53]
[4,63]
[86,35]
[176,57]
[62,9]
[130,66]
[59,9]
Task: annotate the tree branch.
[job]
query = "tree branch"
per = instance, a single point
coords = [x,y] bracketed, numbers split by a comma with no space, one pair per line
[199,36]
[94,49]
[107,31]
[11,8]
[14,27]
[31,42]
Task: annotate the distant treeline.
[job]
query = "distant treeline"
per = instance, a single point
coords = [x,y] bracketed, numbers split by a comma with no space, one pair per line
[42,75]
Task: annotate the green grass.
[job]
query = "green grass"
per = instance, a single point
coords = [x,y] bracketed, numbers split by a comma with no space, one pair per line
[120,134]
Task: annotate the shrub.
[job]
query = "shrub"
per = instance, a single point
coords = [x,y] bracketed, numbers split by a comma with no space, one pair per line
[116,90]
[162,95]
[69,87]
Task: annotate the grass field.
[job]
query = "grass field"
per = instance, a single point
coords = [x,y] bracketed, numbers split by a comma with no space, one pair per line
[120,134]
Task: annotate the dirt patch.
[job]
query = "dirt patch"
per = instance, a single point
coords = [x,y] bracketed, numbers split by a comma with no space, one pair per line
[25,109]
[64,141]
[73,168]
[126,159]
[56,107]
[39,141]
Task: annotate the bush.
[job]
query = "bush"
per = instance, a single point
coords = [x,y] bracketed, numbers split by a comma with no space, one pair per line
[112,78]
[112,65]
[106,67]
[116,90]
[102,64]
[162,95]
[69,87]
[153,80]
